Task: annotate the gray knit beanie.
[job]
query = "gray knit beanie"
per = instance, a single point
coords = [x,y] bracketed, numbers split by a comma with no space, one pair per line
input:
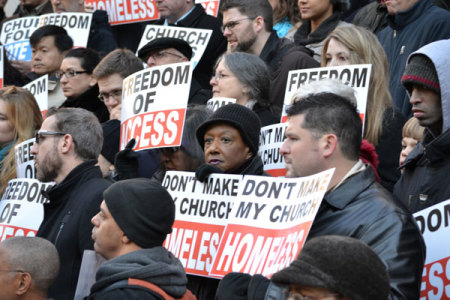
[420,71]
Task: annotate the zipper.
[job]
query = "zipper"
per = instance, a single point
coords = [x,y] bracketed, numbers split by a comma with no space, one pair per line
[64,220]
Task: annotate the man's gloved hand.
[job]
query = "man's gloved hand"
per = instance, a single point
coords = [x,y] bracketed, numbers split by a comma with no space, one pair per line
[126,162]
[205,170]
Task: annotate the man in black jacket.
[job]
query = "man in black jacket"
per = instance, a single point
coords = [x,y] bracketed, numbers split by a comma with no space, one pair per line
[66,151]
[324,132]
[185,13]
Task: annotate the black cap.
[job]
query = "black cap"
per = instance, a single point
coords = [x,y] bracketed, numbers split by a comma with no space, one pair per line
[164,43]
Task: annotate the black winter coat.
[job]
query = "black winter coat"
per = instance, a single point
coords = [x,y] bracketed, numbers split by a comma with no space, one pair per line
[67,222]
[424,181]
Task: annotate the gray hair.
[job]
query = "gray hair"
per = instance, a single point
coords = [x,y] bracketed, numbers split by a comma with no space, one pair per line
[33,255]
[84,128]
[326,85]
[252,72]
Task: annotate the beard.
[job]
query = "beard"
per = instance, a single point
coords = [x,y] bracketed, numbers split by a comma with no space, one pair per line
[49,167]
[245,45]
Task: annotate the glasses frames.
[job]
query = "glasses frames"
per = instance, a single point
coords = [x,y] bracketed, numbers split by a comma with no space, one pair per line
[162,53]
[115,94]
[69,73]
[40,135]
[230,25]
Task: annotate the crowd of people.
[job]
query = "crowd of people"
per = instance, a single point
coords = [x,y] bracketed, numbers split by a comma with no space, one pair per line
[364,242]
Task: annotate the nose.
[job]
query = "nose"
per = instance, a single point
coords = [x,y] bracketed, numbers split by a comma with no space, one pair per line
[63,79]
[415,97]
[151,62]
[213,81]
[226,32]
[284,149]
[212,148]
[95,221]
[34,149]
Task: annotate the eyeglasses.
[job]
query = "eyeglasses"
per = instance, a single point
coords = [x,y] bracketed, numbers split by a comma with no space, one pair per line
[291,295]
[170,150]
[219,76]
[69,73]
[161,54]
[115,94]
[40,135]
[230,25]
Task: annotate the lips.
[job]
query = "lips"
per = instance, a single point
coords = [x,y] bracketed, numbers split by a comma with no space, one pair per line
[418,113]
[215,162]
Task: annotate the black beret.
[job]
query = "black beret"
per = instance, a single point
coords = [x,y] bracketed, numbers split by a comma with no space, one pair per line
[164,43]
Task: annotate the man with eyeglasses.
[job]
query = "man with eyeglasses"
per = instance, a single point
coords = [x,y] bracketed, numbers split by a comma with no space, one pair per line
[65,151]
[247,25]
[49,45]
[185,13]
[28,266]
[164,51]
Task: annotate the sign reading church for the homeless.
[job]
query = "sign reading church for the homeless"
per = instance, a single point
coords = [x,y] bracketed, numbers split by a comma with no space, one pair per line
[434,224]
[270,140]
[39,89]
[356,76]
[211,6]
[214,104]
[249,224]
[154,104]
[197,38]
[126,11]
[16,33]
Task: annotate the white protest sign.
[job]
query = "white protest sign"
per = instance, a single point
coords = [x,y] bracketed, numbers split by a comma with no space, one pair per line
[25,160]
[269,223]
[270,141]
[154,104]
[126,11]
[21,209]
[197,38]
[211,6]
[202,211]
[214,104]
[357,76]
[434,224]
[77,25]
[39,89]
[15,37]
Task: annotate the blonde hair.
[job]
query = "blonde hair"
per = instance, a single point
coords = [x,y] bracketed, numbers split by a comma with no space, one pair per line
[366,49]
[412,129]
[23,112]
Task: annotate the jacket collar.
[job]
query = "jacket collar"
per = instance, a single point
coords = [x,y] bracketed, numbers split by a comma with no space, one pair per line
[402,19]
[196,13]
[270,48]
[435,149]
[350,189]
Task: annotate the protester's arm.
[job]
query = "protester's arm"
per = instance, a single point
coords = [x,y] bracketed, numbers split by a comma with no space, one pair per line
[22,66]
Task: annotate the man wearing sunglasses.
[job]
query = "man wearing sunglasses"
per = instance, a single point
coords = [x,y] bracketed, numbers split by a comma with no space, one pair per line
[66,151]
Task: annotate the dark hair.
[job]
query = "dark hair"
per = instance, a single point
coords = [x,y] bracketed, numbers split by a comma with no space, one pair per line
[195,116]
[330,113]
[89,58]
[252,9]
[61,39]
[287,8]
[119,61]
[340,5]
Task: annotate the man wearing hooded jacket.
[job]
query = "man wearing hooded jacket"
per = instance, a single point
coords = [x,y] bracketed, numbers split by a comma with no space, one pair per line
[427,80]
[134,219]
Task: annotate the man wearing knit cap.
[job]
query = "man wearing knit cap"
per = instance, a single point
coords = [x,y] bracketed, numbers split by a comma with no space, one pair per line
[337,267]
[134,219]
[427,80]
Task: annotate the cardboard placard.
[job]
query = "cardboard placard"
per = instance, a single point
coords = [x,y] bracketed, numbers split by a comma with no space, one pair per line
[25,160]
[211,6]
[214,104]
[154,104]
[270,141]
[39,89]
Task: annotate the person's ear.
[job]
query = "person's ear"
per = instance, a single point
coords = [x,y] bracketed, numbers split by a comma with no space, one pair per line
[92,81]
[67,143]
[328,144]
[259,24]
[249,153]
[24,283]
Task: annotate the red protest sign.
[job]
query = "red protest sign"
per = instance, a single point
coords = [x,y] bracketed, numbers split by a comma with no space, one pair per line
[126,11]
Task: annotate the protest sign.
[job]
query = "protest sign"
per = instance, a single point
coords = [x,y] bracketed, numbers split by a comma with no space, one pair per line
[434,224]
[18,29]
[20,50]
[21,210]
[126,11]
[211,6]
[214,104]
[154,104]
[197,38]
[77,25]
[25,160]
[269,223]
[357,76]
[39,89]
[270,141]
[202,210]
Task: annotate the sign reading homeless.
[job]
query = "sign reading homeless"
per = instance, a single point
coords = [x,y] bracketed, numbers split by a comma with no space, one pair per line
[154,104]
[434,224]
[126,11]
[211,6]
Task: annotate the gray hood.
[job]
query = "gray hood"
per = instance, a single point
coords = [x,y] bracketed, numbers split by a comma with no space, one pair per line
[155,265]
[438,53]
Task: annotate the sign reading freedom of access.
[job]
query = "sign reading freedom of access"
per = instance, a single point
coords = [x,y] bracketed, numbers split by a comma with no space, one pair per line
[21,210]
[202,211]
[357,76]
[39,89]
[214,104]
[197,38]
[434,224]
[211,6]
[270,141]
[126,11]
[16,33]
[269,223]
[25,160]
[154,104]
